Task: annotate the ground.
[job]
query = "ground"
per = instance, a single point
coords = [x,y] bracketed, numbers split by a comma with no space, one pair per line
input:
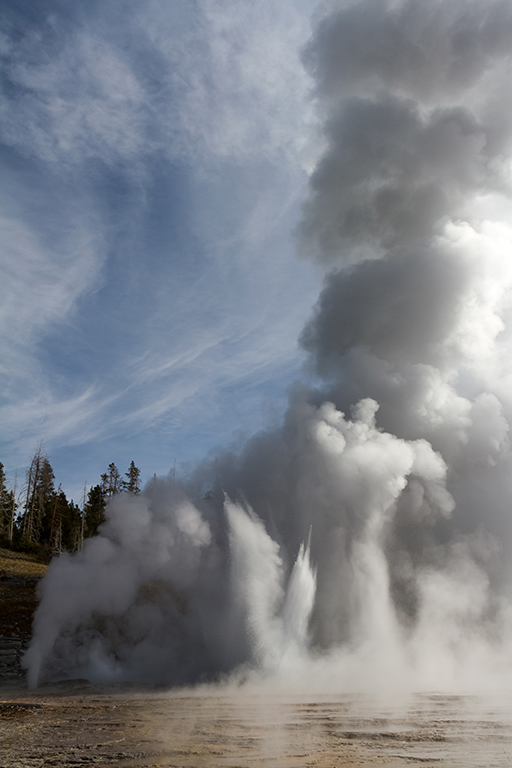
[78,724]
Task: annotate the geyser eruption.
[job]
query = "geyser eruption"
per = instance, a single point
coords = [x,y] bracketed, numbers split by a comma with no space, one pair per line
[153,598]
[369,538]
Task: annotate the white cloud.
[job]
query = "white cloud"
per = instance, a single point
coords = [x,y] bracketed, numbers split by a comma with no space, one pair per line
[222,82]
[40,285]
[97,107]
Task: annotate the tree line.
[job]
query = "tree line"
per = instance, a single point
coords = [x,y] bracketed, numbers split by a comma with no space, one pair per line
[40,518]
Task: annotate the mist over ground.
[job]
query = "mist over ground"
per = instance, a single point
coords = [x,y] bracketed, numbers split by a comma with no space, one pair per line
[365,542]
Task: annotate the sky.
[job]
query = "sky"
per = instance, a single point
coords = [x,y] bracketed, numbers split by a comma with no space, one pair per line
[196,213]
[154,161]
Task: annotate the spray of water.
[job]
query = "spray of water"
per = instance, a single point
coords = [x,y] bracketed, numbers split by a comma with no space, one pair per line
[367,541]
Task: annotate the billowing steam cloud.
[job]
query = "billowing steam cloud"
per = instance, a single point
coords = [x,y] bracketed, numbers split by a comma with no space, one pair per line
[370,537]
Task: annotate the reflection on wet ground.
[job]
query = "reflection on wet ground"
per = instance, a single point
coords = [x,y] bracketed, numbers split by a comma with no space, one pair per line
[76,725]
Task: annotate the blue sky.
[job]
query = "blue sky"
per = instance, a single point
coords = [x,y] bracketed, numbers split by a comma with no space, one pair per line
[154,158]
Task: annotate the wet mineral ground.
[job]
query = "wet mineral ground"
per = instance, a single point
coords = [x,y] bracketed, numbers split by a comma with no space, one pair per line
[77,724]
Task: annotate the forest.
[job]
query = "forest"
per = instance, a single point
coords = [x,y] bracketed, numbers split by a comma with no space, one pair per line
[40,519]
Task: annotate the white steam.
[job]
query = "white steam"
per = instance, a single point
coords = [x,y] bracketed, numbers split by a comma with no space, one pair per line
[398,472]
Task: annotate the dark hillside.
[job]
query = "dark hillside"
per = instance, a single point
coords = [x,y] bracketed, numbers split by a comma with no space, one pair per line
[19,575]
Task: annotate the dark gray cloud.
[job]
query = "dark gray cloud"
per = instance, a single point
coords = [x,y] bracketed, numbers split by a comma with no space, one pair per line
[400,308]
[425,50]
[392,175]
[415,107]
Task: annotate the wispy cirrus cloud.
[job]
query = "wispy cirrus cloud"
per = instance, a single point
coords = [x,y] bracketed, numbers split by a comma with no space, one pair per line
[217,79]
[154,162]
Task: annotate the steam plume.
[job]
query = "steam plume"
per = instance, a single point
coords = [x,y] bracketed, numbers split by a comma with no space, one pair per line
[398,471]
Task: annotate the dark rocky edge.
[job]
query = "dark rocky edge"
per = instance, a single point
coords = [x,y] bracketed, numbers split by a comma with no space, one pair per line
[11,650]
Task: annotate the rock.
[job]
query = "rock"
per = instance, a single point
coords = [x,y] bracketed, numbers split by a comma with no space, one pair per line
[11,650]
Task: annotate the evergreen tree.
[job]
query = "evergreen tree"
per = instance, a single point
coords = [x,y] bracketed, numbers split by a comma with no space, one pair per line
[56,524]
[111,482]
[39,493]
[94,510]
[7,508]
[132,482]
[71,525]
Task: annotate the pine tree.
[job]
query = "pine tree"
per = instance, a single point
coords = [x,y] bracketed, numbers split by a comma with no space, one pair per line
[71,525]
[94,510]
[39,492]
[55,521]
[132,483]
[111,482]
[7,508]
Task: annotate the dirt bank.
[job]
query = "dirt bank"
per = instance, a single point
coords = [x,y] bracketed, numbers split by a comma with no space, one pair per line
[19,575]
